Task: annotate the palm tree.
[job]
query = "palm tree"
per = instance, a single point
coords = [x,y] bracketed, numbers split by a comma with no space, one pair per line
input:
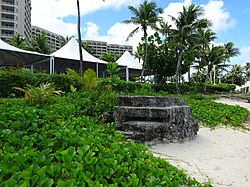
[139,52]
[40,44]
[18,41]
[109,57]
[235,75]
[79,36]
[89,48]
[65,40]
[212,57]
[146,16]
[205,37]
[230,50]
[187,24]
[247,71]
[165,29]
[112,68]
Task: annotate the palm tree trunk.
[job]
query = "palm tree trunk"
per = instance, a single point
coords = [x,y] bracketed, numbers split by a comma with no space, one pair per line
[189,74]
[79,38]
[145,55]
[207,78]
[178,71]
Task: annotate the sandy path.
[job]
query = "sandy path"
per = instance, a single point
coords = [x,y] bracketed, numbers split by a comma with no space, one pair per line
[221,156]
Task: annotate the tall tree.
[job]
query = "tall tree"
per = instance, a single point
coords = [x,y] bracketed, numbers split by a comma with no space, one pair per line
[206,36]
[40,44]
[146,16]
[187,24]
[18,41]
[235,75]
[211,57]
[247,71]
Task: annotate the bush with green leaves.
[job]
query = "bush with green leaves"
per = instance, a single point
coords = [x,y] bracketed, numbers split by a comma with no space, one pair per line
[88,81]
[194,87]
[40,95]
[53,146]
[11,78]
[118,85]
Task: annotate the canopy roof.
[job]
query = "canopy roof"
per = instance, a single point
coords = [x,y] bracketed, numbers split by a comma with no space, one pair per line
[71,51]
[10,55]
[128,60]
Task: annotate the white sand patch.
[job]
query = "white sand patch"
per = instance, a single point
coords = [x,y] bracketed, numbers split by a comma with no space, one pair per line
[242,103]
[221,156]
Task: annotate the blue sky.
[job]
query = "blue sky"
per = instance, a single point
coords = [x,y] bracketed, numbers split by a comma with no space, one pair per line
[102,20]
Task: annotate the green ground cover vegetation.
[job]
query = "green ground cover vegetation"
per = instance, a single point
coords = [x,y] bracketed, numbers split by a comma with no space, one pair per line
[64,143]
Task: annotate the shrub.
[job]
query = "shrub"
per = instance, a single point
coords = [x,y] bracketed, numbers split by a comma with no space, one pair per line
[87,81]
[39,95]
[13,78]
[194,87]
[214,88]
[114,84]
[20,78]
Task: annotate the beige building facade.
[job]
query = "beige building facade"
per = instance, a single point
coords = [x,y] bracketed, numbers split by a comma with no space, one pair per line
[54,40]
[101,47]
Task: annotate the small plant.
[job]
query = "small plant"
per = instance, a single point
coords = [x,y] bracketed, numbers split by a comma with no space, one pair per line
[88,81]
[39,95]
[112,68]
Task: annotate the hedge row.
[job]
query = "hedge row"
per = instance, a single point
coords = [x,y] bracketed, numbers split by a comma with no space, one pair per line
[20,78]
[194,87]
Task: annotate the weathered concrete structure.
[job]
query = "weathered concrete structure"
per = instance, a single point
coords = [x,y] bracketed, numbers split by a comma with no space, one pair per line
[149,118]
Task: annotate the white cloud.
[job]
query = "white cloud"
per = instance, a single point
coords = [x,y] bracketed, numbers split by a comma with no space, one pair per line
[213,11]
[49,14]
[173,9]
[243,57]
[221,19]
[118,33]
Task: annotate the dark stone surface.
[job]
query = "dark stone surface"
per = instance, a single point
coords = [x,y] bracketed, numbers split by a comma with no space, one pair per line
[149,101]
[165,119]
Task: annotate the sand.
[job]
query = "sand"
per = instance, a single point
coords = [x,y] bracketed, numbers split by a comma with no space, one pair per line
[221,156]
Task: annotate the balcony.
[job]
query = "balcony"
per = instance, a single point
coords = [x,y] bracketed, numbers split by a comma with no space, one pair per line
[6,35]
[8,19]
[8,3]
[8,12]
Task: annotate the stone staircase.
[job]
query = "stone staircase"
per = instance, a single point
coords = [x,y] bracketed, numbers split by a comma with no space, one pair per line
[150,118]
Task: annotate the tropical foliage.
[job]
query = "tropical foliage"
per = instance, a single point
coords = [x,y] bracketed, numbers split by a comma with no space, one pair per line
[18,41]
[109,57]
[145,17]
[39,95]
[174,49]
[39,44]
[88,81]
[112,68]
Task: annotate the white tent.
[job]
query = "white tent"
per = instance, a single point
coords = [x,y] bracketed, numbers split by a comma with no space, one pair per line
[133,68]
[12,56]
[68,56]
